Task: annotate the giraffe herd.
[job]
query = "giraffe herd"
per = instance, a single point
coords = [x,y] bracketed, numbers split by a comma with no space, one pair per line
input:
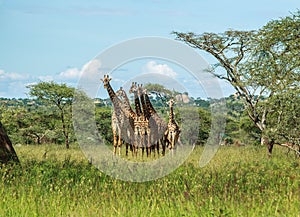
[143,128]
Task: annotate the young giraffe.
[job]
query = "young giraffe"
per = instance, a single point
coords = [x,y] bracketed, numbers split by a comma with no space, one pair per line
[117,114]
[140,121]
[173,128]
[132,116]
[157,124]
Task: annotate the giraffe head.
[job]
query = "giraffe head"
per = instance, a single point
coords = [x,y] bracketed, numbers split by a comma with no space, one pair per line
[133,88]
[171,102]
[120,92]
[140,89]
[106,80]
[145,91]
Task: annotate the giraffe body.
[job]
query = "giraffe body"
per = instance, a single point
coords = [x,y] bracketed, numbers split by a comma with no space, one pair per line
[131,115]
[141,123]
[173,130]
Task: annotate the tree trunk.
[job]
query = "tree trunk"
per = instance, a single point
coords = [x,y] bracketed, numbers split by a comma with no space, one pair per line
[269,143]
[64,129]
[67,141]
[7,152]
[270,147]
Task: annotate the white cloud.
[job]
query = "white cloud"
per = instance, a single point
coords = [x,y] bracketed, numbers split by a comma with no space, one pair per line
[13,84]
[88,70]
[153,67]
[46,78]
[91,67]
[70,74]
[4,76]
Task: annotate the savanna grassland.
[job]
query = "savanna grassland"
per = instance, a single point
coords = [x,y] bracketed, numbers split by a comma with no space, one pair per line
[239,181]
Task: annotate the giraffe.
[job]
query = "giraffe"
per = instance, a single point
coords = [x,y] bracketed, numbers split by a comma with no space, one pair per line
[132,116]
[146,127]
[173,130]
[140,122]
[117,114]
[157,124]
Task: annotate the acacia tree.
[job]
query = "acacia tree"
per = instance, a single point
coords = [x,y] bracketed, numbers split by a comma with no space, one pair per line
[230,49]
[274,68]
[59,95]
[256,63]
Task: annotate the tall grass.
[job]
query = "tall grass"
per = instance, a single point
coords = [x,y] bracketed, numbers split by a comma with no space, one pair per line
[239,181]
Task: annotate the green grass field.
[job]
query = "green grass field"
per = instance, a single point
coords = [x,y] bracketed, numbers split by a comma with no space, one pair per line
[239,181]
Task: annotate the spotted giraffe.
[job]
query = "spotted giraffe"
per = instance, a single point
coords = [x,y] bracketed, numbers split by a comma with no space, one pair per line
[130,119]
[146,127]
[157,124]
[117,115]
[173,130]
[140,123]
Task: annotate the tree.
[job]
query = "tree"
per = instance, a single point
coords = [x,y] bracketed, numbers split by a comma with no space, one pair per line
[274,67]
[59,95]
[160,91]
[158,88]
[7,152]
[229,49]
[257,63]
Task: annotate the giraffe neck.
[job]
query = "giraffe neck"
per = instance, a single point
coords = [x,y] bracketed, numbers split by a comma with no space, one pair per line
[149,105]
[171,115]
[144,106]
[112,95]
[137,104]
[127,105]
[126,100]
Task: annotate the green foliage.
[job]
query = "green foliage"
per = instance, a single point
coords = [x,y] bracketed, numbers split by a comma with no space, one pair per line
[249,133]
[50,92]
[158,88]
[204,126]
[274,62]
[32,125]
[237,182]
[59,95]
[103,122]
[258,64]
[201,103]
[284,118]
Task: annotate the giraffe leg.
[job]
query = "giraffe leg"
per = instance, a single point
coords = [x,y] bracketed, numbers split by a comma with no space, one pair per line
[143,144]
[119,146]
[136,142]
[156,142]
[114,142]
[144,141]
[127,148]
[148,142]
[162,142]
[152,149]
[119,142]
[132,145]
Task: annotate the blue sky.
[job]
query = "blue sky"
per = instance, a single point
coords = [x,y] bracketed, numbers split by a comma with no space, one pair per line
[53,40]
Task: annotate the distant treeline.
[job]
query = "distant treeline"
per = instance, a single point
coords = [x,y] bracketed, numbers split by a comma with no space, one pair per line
[31,121]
